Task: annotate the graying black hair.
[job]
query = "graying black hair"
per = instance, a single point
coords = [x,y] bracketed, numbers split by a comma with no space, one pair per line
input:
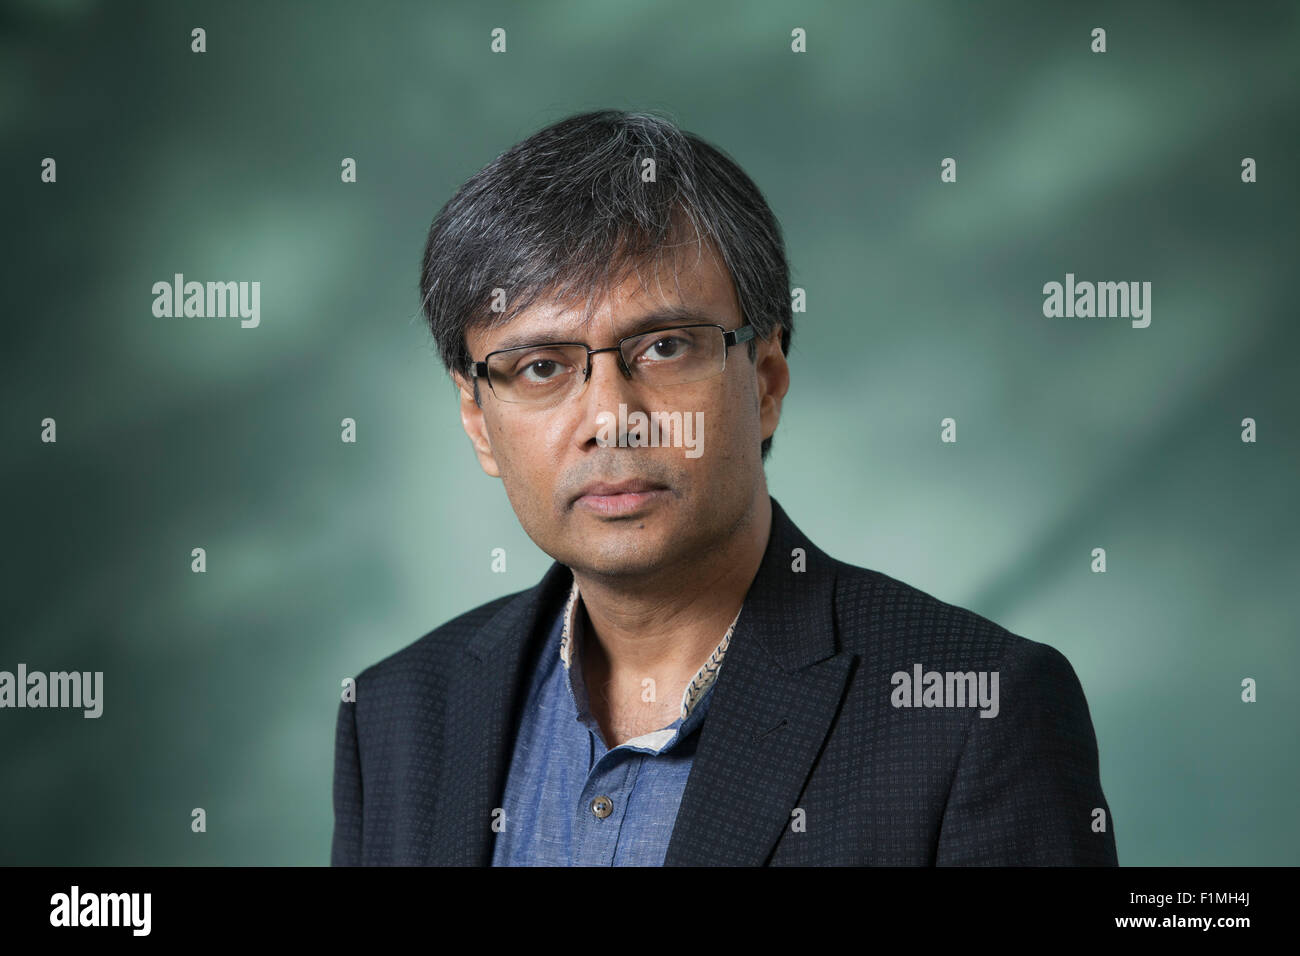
[565,214]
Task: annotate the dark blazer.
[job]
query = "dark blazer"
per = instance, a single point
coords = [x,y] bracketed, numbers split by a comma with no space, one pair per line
[802,719]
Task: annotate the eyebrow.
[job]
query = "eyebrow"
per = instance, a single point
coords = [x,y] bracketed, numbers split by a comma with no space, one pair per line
[671,315]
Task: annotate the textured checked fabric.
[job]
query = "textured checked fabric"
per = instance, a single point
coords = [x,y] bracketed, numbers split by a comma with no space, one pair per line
[561,767]
[803,759]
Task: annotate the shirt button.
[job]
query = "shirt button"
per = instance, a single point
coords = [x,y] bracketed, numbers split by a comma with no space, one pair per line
[602,807]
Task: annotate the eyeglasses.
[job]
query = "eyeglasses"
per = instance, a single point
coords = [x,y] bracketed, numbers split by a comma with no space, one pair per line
[548,374]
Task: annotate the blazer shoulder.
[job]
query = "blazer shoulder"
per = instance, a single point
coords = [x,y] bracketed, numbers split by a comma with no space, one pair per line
[878,614]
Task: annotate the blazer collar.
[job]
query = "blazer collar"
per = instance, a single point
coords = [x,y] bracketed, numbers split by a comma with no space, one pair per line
[776,590]
[776,694]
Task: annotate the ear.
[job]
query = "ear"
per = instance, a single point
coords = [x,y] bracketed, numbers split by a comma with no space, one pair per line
[471,417]
[773,377]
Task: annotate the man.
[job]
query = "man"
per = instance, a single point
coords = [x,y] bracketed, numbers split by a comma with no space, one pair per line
[693,681]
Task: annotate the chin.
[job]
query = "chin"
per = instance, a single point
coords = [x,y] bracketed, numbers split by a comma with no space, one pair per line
[619,561]
[630,570]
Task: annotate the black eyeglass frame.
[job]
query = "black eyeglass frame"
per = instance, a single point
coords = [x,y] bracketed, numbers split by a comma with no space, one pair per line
[730,337]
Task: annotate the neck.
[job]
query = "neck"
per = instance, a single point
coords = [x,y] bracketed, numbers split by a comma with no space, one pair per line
[668,624]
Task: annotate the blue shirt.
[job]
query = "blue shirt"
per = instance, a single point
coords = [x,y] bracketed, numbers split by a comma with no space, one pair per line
[571,801]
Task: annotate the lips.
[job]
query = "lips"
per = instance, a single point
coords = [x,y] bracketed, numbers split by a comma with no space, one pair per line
[621,500]
[625,487]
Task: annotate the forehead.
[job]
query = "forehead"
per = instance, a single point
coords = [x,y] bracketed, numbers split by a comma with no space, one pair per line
[689,285]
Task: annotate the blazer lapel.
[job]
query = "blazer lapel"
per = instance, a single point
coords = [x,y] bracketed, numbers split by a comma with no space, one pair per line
[779,688]
[483,691]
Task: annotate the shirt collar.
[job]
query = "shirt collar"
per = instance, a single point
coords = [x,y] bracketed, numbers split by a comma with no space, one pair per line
[697,687]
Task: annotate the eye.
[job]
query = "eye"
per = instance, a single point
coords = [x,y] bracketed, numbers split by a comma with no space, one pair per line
[668,347]
[539,370]
[541,367]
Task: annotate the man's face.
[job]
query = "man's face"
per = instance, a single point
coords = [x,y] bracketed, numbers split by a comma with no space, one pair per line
[679,507]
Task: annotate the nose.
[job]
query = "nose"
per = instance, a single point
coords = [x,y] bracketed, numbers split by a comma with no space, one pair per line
[619,364]
[607,387]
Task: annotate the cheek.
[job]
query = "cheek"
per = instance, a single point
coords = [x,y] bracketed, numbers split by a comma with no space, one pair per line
[737,408]
[732,419]
[526,451]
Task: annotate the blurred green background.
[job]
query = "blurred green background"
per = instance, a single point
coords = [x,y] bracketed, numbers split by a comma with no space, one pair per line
[924,301]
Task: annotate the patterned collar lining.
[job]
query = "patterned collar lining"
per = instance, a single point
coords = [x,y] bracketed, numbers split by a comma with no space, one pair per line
[700,683]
